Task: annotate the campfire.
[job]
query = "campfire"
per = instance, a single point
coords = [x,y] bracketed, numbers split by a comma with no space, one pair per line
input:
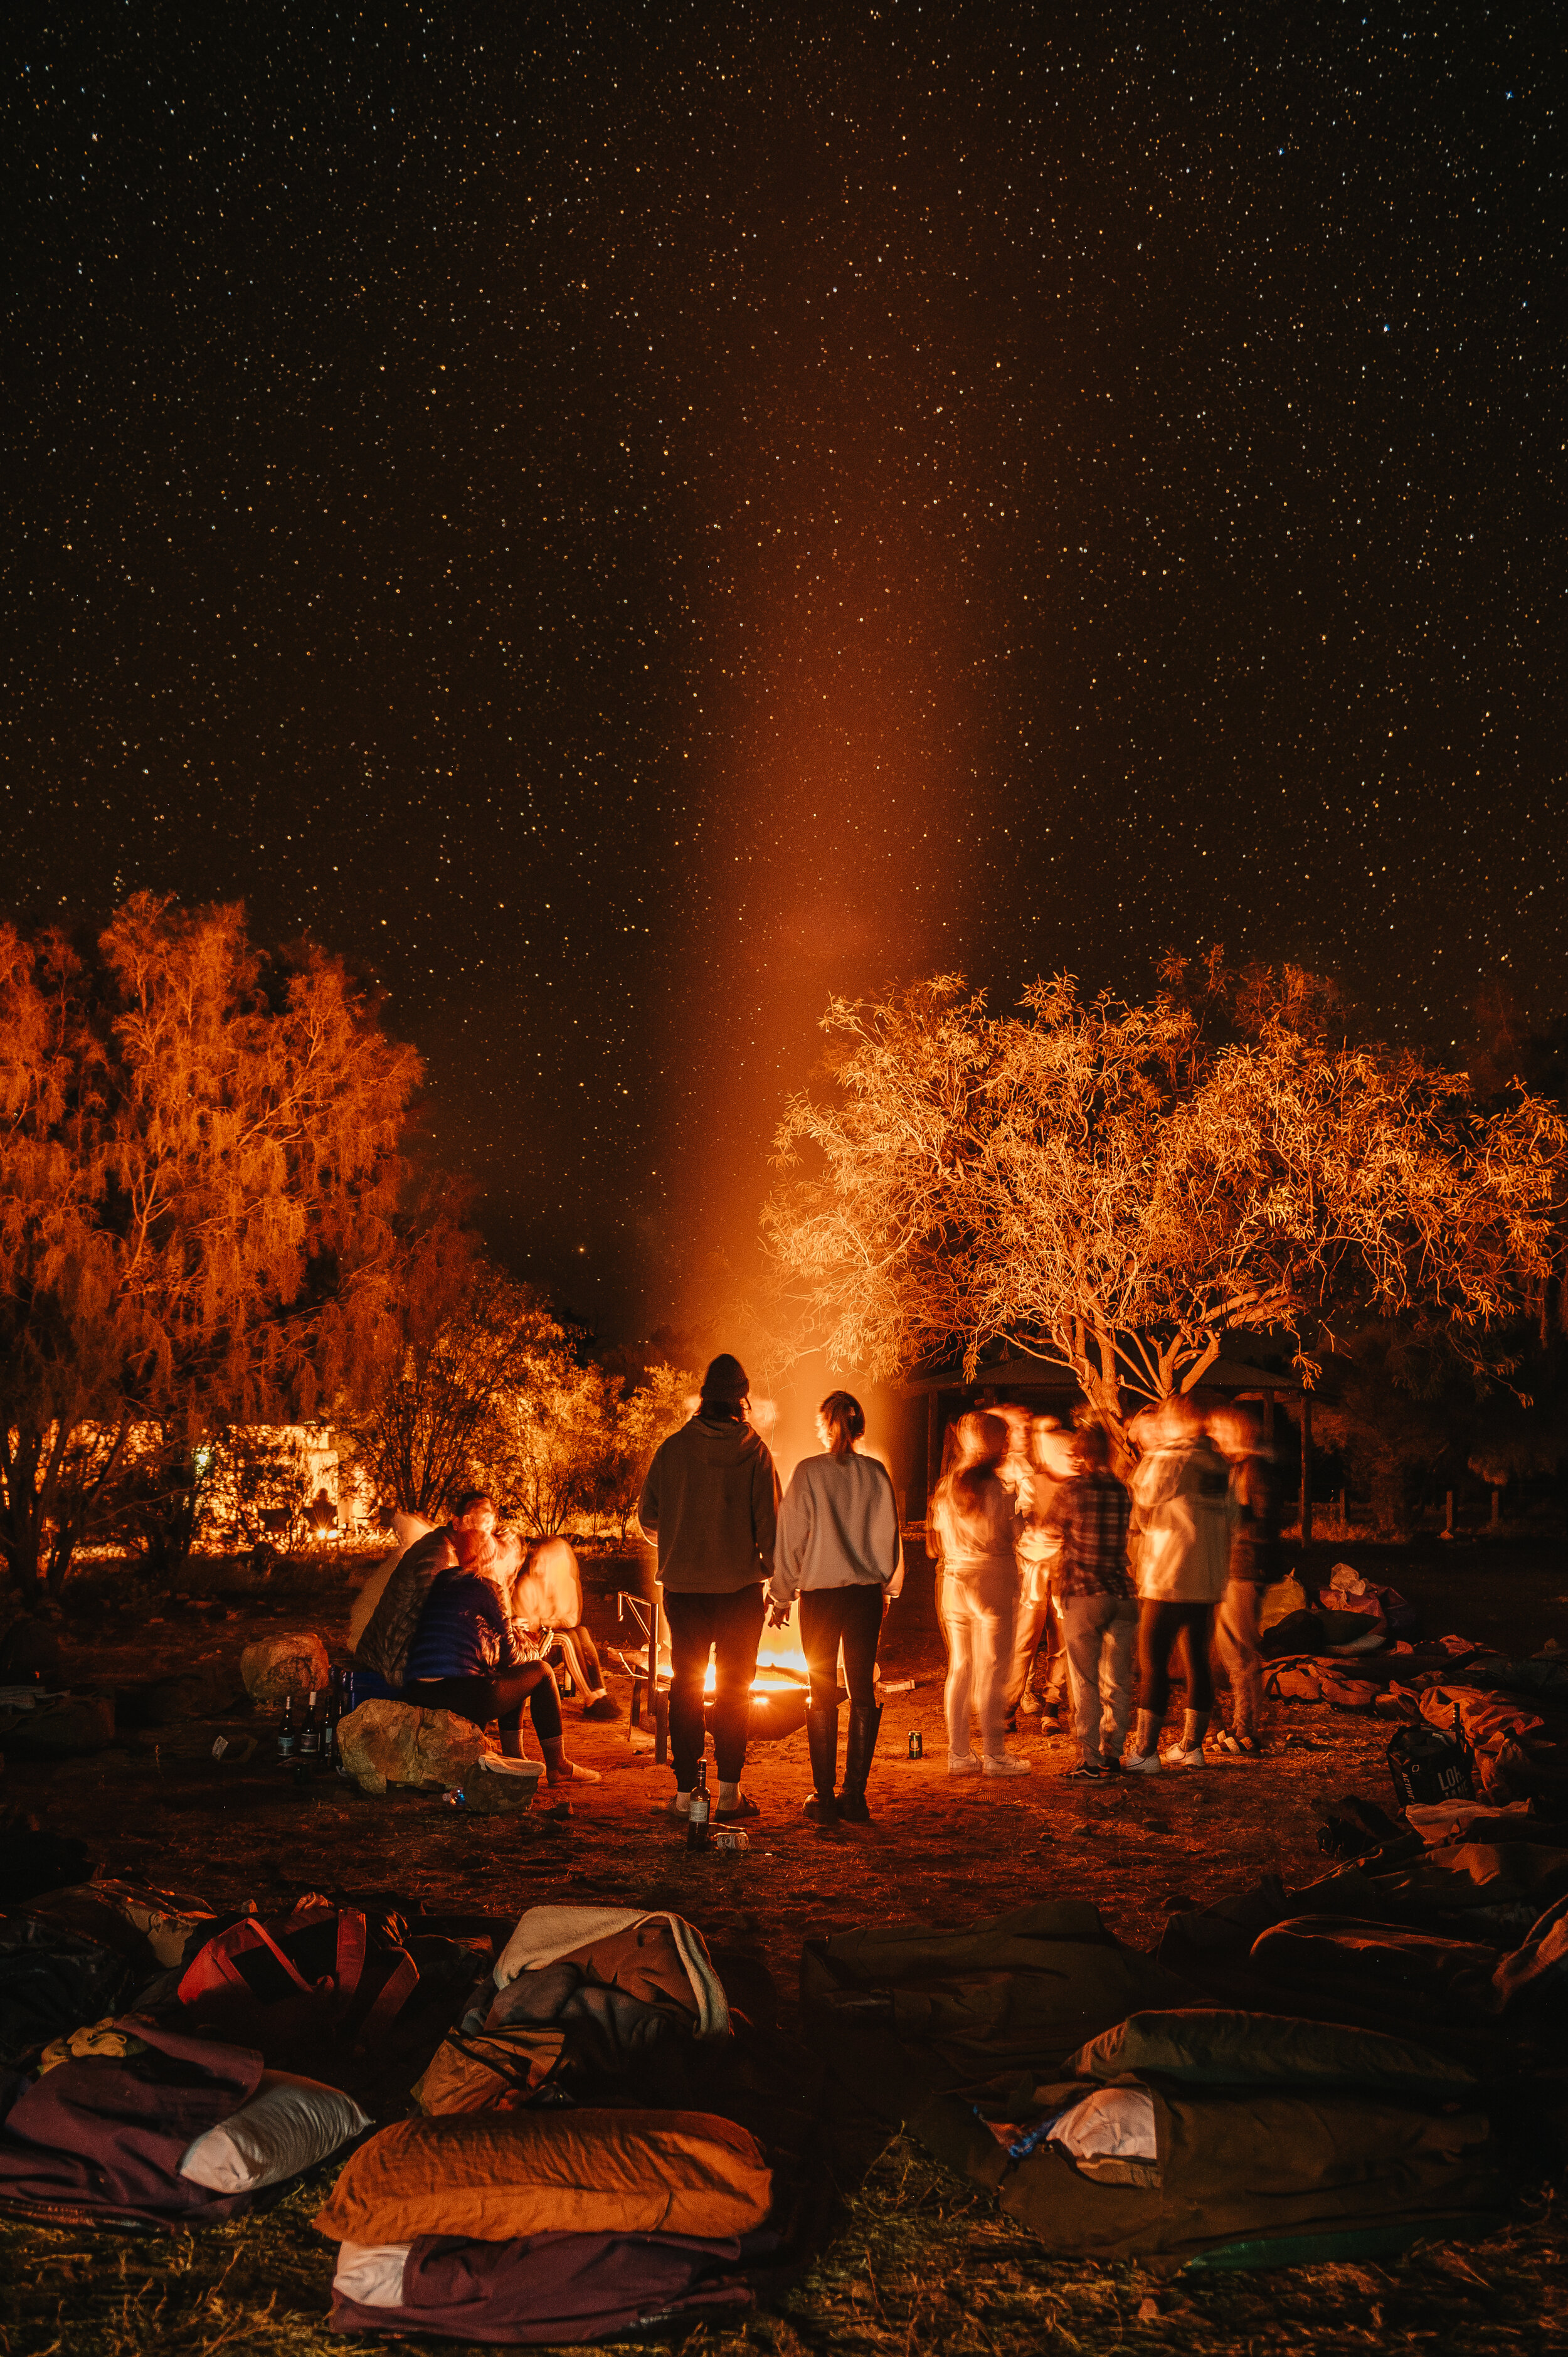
[779,1691]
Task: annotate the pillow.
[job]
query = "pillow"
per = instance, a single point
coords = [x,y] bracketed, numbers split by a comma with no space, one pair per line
[1114,2122]
[288,2125]
[490,2176]
[373,2277]
[1230,2050]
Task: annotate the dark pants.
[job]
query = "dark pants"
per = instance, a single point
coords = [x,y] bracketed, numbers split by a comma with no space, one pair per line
[1161,1629]
[500,1698]
[853,1614]
[731,1623]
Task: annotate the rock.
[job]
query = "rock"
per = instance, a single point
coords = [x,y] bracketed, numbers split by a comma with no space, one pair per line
[387,1743]
[58,1726]
[290,1664]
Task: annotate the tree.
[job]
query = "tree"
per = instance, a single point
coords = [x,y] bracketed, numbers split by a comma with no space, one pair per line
[550,1447]
[468,1339]
[1111,1186]
[202,1160]
[659,1406]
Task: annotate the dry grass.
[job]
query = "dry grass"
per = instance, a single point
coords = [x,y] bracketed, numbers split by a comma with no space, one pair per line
[922,2265]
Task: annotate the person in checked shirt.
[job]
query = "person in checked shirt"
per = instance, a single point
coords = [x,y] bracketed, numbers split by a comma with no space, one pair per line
[1098,1610]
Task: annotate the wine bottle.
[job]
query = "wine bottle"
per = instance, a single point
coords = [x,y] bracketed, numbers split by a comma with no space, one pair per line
[697,1823]
[310,1734]
[286,1731]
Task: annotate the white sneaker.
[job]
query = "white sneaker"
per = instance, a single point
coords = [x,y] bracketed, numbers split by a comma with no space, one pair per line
[1143,1763]
[963,1763]
[1007,1764]
[1179,1758]
[678,1806]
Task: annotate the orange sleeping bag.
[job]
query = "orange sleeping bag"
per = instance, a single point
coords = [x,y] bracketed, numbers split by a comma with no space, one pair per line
[492,2177]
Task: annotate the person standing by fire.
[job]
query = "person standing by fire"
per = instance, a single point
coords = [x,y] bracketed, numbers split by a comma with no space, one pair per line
[1094,1594]
[1181,1561]
[976,1522]
[839,1552]
[711,1499]
[1254,1566]
[1041,1458]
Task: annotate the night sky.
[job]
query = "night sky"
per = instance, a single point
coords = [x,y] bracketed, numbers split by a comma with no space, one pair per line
[625,521]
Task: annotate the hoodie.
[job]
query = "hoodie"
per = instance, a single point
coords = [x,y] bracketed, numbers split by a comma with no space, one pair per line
[712,1500]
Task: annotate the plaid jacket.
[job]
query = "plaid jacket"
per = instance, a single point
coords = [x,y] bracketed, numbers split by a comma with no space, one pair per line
[1092,1515]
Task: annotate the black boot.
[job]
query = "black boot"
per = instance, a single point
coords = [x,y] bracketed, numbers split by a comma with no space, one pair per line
[858,1748]
[822,1735]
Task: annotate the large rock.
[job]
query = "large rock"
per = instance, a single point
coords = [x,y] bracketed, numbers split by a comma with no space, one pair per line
[291,1663]
[387,1743]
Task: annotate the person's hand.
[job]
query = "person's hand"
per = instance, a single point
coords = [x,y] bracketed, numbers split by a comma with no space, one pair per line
[778,1614]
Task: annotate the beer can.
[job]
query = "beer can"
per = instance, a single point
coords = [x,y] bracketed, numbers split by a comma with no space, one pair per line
[917,1744]
[729,1837]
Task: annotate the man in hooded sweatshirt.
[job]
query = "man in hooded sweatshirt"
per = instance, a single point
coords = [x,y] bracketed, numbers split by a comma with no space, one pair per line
[712,1500]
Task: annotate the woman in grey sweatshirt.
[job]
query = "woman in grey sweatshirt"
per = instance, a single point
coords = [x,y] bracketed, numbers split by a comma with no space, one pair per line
[838,1551]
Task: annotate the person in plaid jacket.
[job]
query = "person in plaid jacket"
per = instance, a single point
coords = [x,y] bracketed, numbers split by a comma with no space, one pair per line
[1098,1610]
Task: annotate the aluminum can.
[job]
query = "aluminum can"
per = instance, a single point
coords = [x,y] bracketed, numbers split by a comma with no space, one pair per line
[729,1837]
[917,1744]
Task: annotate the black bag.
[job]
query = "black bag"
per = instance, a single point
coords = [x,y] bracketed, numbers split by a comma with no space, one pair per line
[1427,1766]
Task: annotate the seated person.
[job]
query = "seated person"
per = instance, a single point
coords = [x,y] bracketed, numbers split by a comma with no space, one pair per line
[547,1599]
[468,1655]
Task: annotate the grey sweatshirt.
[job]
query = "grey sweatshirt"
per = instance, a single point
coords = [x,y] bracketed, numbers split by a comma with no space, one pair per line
[711,1498]
[837,1527]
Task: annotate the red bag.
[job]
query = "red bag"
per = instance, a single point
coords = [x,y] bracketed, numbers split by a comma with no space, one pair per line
[292,1980]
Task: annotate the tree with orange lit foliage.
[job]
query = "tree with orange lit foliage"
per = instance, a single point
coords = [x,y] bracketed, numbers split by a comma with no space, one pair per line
[1109,1187]
[201,1165]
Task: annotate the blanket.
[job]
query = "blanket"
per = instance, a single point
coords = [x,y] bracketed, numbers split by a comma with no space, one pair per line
[106,2134]
[547,1933]
[544,2287]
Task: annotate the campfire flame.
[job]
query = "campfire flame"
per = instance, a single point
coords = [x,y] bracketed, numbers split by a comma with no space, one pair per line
[781,1661]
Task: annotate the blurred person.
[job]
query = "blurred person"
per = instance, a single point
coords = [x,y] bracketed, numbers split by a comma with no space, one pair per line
[710,1499]
[547,1600]
[1237,1432]
[838,1551]
[977,1523]
[1048,1459]
[467,1655]
[381,1647]
[1180,1550]
[1091,1513]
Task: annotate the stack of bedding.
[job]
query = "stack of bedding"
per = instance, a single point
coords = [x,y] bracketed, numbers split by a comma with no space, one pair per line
[1166,2132]
[128,2120]
[539,2195]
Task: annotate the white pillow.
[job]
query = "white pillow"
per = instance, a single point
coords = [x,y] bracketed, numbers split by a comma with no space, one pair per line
[288,2124]
[371,2274]
[1116,2121]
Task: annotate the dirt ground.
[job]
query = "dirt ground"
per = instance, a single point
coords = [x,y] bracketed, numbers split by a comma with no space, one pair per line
[920,2260]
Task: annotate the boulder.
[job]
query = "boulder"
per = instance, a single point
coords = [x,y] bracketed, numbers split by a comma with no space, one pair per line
[387,1743]
[291,1663]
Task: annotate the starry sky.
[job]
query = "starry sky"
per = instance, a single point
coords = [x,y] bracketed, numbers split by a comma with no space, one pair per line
[624,521]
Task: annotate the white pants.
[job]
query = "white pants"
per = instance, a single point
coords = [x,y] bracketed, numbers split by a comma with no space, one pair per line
[1101,1631]
[978,1611]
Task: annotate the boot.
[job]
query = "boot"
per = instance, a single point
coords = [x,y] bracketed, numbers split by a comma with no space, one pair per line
[822,1735]
[861,1743]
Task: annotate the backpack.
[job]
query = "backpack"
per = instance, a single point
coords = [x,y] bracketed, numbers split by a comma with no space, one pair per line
[281,1983]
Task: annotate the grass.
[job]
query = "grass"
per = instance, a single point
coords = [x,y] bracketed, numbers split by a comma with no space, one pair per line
[922,2263]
